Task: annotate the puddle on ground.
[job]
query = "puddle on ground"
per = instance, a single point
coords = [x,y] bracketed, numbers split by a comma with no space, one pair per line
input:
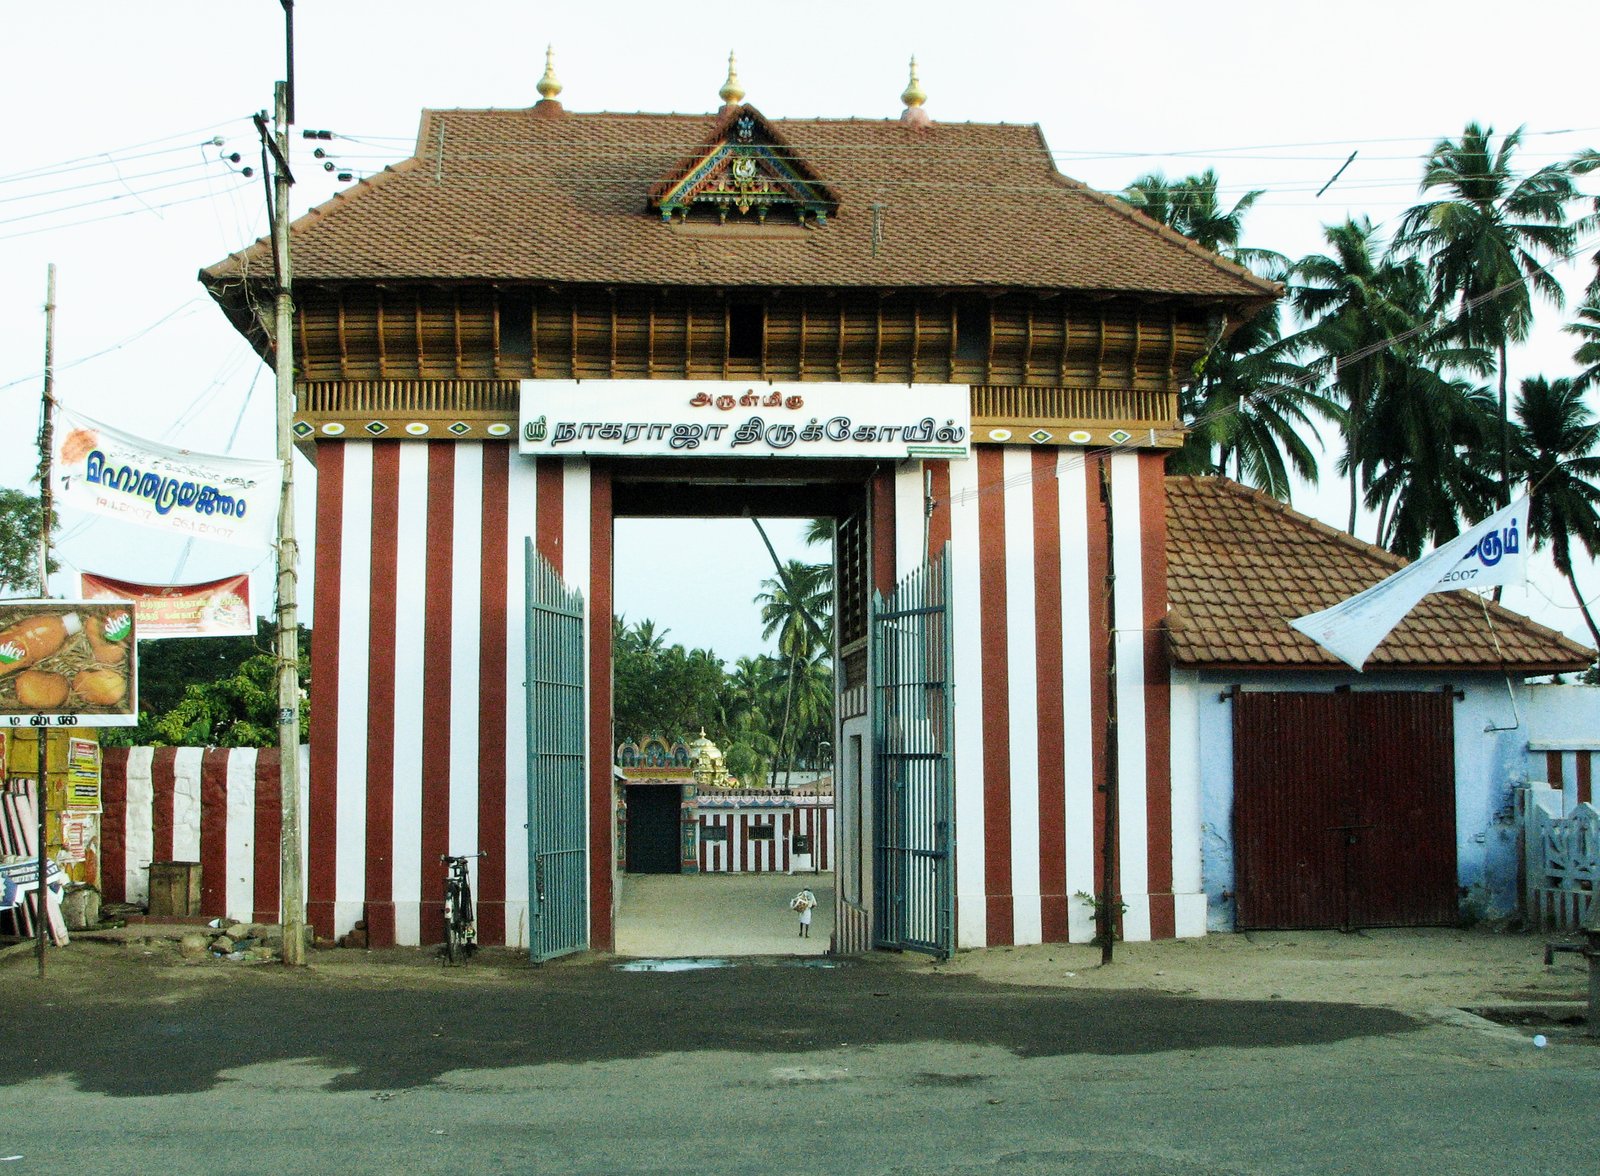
[812,962]
[685,964]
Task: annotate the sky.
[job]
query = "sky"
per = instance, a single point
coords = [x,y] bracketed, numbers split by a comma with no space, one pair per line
[110,170]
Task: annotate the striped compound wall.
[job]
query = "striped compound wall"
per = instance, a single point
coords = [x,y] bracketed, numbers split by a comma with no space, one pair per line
[216,806]
[419,748]
[756,837]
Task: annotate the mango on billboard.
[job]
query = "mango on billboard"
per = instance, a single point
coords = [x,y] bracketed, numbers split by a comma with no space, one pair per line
[68,664]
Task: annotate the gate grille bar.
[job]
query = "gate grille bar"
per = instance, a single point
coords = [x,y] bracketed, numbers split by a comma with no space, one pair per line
[558,858]
[912,736]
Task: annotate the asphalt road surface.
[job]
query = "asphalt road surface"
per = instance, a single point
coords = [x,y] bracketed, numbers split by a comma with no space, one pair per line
[772,1066]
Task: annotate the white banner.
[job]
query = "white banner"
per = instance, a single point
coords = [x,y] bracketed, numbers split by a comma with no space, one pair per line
[203,496]
[725,418]
[1490,553]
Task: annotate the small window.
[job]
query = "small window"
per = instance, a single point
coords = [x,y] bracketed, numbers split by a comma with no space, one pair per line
[746,325]
[972,332]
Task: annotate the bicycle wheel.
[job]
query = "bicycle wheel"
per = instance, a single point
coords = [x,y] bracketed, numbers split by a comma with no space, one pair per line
[467,919]
[454,947]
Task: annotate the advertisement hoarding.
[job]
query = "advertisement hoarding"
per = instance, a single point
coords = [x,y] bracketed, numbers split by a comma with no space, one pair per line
[146,484]
[68,664]
[217,608]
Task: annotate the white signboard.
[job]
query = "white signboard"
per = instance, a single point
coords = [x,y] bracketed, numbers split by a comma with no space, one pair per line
[724,418]
[227,499]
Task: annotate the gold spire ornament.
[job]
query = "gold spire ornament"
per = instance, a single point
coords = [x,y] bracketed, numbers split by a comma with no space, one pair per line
[549,85]
[732,93]
[914,94]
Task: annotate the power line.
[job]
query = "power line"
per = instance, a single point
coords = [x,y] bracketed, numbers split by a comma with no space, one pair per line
[134,338]
[98,158]
[92,220]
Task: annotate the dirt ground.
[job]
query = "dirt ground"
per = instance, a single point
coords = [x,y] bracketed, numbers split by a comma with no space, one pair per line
[1414,971]
[1408,969]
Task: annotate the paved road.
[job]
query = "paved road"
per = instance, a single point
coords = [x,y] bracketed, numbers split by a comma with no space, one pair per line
[882,1066]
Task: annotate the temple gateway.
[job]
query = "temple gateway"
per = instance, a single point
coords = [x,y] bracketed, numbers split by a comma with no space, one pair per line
[546,320]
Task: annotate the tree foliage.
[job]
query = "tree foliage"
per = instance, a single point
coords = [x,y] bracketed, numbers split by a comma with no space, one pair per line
[213,692]
[19,543]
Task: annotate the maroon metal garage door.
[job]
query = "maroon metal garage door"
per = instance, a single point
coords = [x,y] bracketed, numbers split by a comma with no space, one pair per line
[1344,810]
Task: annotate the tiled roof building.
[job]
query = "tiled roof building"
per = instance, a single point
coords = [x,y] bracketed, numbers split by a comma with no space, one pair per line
[1241,565]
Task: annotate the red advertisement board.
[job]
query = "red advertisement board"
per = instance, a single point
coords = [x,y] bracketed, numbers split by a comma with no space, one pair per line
[217,608]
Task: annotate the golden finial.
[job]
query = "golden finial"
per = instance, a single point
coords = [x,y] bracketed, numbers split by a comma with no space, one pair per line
[732,93]
[549,85]
[913,115]
[914,95]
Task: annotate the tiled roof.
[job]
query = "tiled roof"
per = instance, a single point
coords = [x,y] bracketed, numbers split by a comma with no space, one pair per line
[1241,565]
[515,195]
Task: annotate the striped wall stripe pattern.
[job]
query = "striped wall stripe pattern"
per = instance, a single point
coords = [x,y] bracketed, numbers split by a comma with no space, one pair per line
[737,852]
[419,582]
[1028,583]
[418,660]
[216,806]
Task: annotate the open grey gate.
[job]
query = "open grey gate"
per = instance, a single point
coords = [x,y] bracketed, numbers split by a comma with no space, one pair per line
[558,849]
[912,747]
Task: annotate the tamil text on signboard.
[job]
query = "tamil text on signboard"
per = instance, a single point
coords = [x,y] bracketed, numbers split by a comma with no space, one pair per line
[719,418]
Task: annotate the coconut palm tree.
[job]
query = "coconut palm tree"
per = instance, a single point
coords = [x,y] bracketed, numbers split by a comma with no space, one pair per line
[1250,406]
[1191,206]
[1250,399]
[1587,328]
[1352,297]
[1556,438]
[1371,334]
[795,607]
[1488,240]
[1427,435]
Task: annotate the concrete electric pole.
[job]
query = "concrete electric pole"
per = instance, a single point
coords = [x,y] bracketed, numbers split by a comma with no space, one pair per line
[290,868]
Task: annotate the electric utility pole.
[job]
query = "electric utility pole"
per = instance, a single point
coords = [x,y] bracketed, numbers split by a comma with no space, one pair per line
[1108,903]
[290,869]
[45,430]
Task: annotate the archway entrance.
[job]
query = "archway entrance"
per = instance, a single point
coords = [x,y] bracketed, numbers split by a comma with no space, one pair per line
[721,829]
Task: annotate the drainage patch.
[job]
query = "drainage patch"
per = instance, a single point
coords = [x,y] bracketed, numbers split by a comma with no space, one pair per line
[685,964]
[812,962]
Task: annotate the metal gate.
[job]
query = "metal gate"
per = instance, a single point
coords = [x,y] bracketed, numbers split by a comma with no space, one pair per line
[558,850]
[1344,809]
[912,747]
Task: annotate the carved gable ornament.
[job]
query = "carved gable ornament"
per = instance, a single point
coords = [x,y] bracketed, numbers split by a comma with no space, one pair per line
[744,170]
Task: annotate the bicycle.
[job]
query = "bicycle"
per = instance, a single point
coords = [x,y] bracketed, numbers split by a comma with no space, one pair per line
[460,921]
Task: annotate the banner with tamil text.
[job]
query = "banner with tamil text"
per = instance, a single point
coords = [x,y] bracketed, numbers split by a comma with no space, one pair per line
[197,495]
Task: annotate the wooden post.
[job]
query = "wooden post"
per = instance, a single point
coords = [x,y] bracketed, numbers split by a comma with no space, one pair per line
[41,908]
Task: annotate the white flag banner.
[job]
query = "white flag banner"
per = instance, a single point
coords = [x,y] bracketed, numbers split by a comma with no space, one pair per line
[1490,553]
[204,496]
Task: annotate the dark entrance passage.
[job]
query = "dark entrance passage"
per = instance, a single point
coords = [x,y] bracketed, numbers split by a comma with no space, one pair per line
[1344,810]
[653,834]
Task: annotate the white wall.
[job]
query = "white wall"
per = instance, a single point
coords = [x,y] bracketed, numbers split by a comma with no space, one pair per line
[1492,734]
